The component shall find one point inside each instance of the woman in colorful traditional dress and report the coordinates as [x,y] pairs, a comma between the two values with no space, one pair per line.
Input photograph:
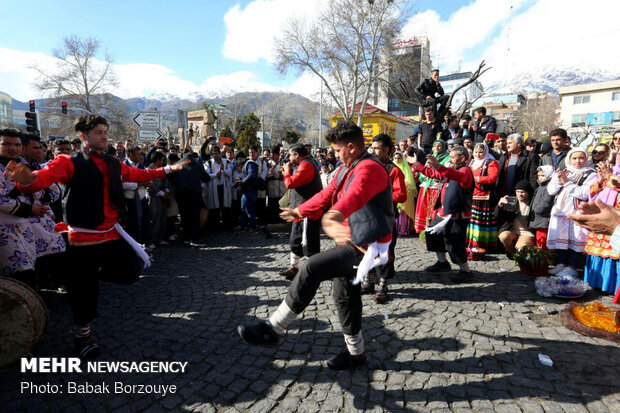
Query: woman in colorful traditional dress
[570,186]
[602,264]
[406,210]
[431,189]
[482,228]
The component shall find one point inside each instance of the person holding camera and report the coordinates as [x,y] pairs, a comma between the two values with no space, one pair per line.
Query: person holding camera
[513,213]
[160,145]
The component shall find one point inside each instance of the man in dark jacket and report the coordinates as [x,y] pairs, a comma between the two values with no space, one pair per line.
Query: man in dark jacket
[188,194]
[484,124]
[557,156]
[431,93]
[516,164]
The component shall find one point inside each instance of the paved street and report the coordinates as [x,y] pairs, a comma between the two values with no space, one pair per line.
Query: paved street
[434,346]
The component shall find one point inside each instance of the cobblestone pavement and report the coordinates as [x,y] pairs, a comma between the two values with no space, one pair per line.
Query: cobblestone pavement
[434,346]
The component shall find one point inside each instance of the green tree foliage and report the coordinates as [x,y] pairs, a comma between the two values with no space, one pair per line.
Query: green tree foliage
[291,136]
[249,125]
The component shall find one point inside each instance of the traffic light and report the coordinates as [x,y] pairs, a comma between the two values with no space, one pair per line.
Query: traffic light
[63,105]
[31,106]
[31,122]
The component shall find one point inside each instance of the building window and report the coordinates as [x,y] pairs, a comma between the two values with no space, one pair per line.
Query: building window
[615,117]
[581,99]
[579,120]
[615,95]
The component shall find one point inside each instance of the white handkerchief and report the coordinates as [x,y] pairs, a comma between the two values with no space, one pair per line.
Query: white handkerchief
[439,227]
[376,254]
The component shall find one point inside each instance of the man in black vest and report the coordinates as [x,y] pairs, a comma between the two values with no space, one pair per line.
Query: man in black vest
[99,249]
[382,147]
[452,217]
[304,184]
[360,217]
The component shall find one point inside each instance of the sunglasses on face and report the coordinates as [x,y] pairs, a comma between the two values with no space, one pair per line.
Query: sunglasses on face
[597,152]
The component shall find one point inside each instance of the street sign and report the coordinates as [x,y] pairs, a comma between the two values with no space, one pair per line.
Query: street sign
[147,120]
[149,135]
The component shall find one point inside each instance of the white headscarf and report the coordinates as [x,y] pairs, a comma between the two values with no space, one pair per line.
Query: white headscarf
[574,171]
[547,170]
[487,156]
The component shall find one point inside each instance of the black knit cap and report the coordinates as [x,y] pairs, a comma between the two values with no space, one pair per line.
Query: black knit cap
[523,185]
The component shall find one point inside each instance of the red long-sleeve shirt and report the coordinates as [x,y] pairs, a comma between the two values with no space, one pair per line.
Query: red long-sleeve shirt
[463,176]
[489,178]
[302,176]
[399,187]
[61,170]
[369,180]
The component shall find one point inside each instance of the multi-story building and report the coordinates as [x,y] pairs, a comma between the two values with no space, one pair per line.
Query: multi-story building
[471,92]
[6,108]
[414,54]
[503,108]
[592,107]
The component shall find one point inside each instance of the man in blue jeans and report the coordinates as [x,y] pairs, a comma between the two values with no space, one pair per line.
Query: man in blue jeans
[250,190]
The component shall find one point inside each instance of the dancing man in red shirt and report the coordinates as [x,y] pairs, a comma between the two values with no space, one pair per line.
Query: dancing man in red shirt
[98,248]
[382,147]
[360,216]
[303,184]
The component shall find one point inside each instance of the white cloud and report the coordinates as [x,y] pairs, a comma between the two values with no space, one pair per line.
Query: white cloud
[136,79]
[533,35]
[560,34]
[250,32]
[466,28]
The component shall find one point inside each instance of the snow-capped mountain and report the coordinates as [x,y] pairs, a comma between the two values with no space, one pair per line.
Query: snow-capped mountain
[547,79]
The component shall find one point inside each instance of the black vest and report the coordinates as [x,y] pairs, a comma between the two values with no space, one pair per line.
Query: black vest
[305,192]
[375,220]
[457,199]
[84,200]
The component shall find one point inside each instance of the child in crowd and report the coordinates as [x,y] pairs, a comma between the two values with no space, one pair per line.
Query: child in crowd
[540,208]
[570,186]
[237,176]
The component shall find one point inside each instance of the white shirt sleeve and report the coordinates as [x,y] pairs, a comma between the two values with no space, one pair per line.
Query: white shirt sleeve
[615,240]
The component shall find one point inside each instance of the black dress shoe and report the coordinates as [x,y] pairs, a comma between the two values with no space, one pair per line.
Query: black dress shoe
[439,267]
[345,360]
[461,277]
[259,334]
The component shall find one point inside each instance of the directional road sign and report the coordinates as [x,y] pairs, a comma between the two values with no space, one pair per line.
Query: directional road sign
[149,135]
[147,120]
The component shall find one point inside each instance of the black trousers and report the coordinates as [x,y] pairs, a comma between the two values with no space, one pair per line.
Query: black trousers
[387,271]
[132,222]
[145,223]
[334,264]
[452,240]
[85,266]
[190,204]
[273,210]
[261,211]
[314,238]
[219,218]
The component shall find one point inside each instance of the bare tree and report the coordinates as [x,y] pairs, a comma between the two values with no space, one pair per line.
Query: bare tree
[537,116]
[405,80]
[344,47]
[83,81]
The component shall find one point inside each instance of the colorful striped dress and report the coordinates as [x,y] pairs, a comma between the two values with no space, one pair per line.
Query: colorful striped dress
[482,228]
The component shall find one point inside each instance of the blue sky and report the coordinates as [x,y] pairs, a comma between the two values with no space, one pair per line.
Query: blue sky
[189,42]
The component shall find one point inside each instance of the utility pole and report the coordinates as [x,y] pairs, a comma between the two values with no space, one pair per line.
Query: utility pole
[321,115]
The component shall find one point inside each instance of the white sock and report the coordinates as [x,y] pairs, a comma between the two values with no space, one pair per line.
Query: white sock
[295,260]
[282,318]
[441,257]
[355,344]
[464,267]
